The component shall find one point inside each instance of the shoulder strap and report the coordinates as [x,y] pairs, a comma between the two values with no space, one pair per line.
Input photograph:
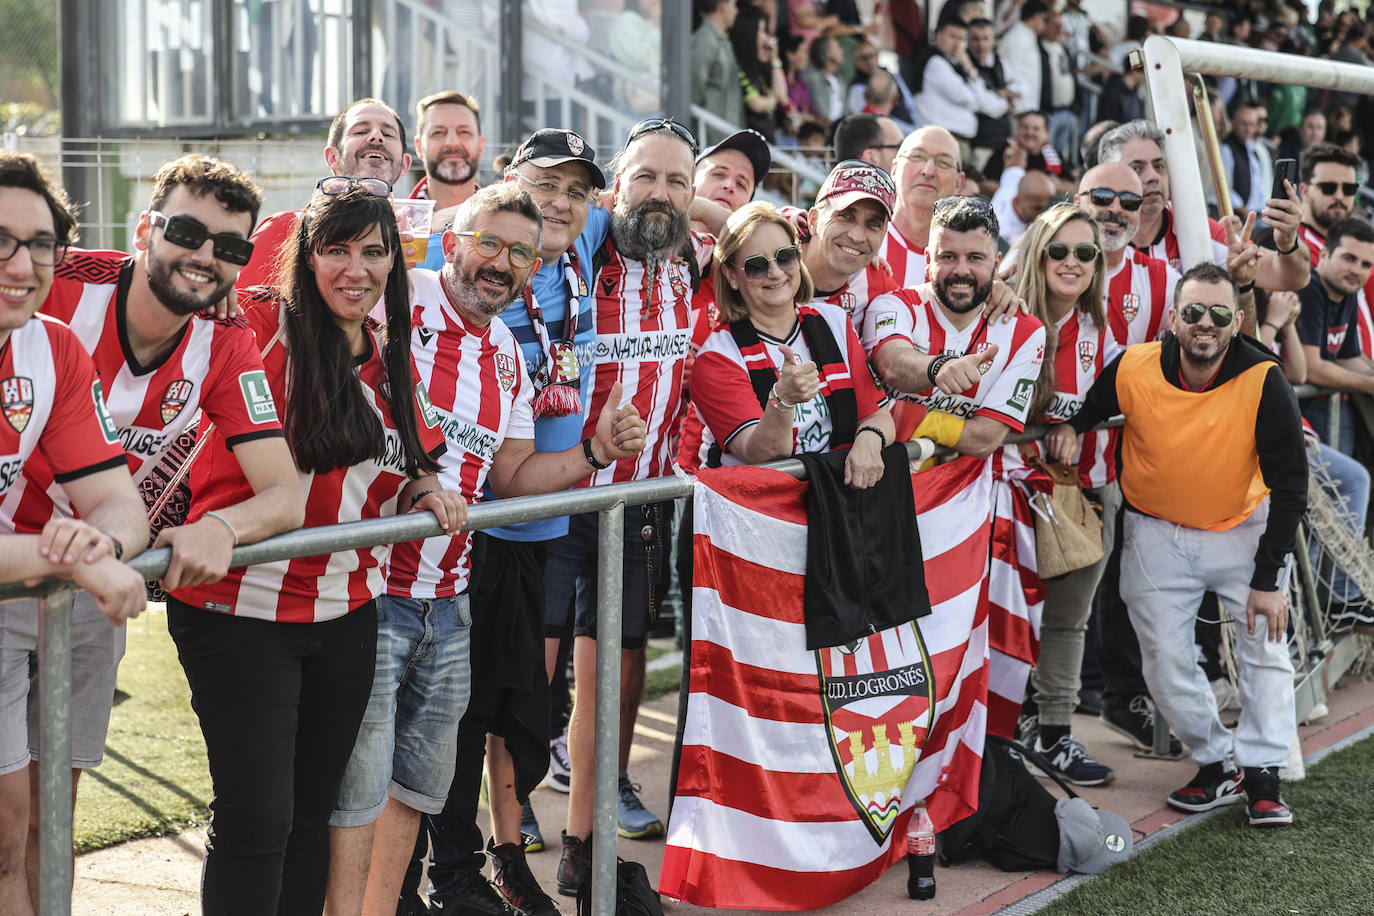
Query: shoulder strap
[1034,757]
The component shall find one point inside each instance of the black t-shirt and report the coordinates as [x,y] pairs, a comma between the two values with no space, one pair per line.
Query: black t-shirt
[1329,326]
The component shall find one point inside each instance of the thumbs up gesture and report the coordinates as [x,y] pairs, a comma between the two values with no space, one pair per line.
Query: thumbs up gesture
[798,382]
[959,375]
[620,430]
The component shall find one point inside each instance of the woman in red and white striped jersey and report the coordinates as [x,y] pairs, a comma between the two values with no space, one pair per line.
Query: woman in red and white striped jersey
[280,655]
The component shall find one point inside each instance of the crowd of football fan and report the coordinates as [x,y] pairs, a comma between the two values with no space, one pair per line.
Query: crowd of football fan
[968,267]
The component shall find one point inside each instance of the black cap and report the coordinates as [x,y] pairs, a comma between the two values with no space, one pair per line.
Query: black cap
[552,146]
[754,148]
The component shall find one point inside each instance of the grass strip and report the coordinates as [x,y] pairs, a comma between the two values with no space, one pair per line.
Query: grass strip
[1320,865]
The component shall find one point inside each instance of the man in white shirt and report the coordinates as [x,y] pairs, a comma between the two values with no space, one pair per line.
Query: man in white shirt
[1020,50]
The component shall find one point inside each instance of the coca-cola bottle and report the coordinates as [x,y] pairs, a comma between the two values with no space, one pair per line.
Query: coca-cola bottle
[920,854]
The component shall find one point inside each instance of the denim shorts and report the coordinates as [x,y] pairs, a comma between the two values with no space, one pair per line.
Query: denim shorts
[570,574]
[407,743]
[97,648]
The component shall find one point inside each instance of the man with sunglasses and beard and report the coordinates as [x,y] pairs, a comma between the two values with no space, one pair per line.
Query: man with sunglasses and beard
[1221,518]
[160,367]
[644,279]
[367,141]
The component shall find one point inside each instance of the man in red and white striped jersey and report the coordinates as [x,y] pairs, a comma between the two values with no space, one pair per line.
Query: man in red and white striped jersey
[1140,289]
[366,140]
[1140,144]
[847,227]
[927,169]
[471,365]
[53,411]
[643,288]
[449,142]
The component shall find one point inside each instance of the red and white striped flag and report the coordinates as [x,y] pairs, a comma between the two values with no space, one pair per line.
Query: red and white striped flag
[799,767]
[1016,597]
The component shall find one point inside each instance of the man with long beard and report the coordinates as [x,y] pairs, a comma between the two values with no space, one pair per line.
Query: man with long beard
[449,142]
[643,283]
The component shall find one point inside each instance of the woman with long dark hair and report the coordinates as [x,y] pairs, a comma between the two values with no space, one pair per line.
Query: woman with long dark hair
[761,78]
[280,655]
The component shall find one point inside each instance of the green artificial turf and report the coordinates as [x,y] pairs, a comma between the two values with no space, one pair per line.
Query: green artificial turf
[1323,864]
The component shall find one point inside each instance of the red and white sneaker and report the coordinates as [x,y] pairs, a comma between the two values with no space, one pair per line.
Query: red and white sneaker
[1263,801]
[1213,786]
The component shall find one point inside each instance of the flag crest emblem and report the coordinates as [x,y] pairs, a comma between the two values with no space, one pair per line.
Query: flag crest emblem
[175,398]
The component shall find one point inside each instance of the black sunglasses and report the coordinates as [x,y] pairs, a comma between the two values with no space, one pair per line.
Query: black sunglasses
[1085,252]
[1348,188]
[658,125]
[1221,315]
[338,184]
[1102,197]
[189,233]
[756,267]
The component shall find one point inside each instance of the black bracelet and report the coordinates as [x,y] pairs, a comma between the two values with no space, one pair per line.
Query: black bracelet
[1295,245]
[1245,288]
[419,496]
[875,431]
[935,365]
[591,458]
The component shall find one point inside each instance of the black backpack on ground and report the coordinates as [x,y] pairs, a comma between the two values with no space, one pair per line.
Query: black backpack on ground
[634,895]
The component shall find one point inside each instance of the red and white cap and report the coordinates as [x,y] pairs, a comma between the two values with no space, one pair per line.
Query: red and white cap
[854,180]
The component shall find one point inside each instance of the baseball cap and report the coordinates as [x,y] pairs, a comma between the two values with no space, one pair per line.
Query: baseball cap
[552,146]
[754,148]
[854,180]
[1090,839]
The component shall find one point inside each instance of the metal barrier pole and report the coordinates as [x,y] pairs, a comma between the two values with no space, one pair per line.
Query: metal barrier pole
[1333,420]
[610,588]
[55,753]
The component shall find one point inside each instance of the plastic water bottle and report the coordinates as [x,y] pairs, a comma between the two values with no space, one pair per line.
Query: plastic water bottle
[920,854]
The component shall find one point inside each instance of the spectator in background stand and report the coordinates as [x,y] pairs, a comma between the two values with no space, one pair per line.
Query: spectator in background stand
[1354,49]
[1311,131]
[1211,28]
[1091,138]
[1245,157]
[1137,30]
[634,42]
[1120,100]
[1020,50]
[715,70]
[1020,198]
[761,82]
[1060,90]
[993,132]
[794,61]
[1032,142]
[449,142]
[827,93]
[952,94]
[1078,29]
[865,68]
[870,138]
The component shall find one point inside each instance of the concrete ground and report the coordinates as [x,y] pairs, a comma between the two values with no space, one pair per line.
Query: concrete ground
[162,875]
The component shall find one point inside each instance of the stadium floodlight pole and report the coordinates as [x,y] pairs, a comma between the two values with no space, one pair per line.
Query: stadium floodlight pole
[1166,59]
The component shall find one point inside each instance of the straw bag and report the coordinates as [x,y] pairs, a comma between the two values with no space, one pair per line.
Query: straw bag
[1068,530]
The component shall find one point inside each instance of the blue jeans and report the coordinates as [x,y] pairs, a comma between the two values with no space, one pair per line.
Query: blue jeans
[409,733]
[1317,411]
[1351,497]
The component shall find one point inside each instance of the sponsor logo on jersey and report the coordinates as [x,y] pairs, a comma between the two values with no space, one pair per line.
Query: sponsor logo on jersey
[647,346]
[426,335]
[257,397]
[1130,306]
[16,398]
[608,285]
[1335,336]
[1021,394]
[175,398]
[102,413]
[427,411]
[1087,349]
[505,370]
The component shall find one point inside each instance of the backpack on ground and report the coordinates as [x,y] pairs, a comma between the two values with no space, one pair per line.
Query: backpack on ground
[634,895]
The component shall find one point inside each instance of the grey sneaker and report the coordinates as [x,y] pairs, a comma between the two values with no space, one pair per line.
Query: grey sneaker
[636,821]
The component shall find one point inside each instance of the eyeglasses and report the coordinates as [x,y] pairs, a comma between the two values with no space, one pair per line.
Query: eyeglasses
[186,232]
[757,266]
[488,245]
[1103,197]
[338,184]
[1084,252]
[1221,315]
[942,163]
[44,252]
[1347,188]
[576,196]
[657,125]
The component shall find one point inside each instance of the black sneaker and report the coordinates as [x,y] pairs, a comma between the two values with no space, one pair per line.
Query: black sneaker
[1089,702]
[410,904]
[1215,785]
[512,878]
[474,897]
[1263,802]
[575,865]
[1136,723]
[1071,762]
[1345,614]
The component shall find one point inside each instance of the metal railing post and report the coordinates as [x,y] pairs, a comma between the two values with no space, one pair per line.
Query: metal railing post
[610,589]
[55,753]
[1333,420]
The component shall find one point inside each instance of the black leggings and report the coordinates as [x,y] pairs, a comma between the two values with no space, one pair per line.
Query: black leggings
[279,706]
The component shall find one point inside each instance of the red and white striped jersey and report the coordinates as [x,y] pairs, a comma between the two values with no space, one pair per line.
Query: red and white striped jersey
[862,288]
[53,409]
[908,262]
[1084,350]
[1003,393]
[214,366]
[643,336]
[1364,317]
[319,588]
[1166,246]
[269,244]
[477,383]
[1137,297]
[724,402]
